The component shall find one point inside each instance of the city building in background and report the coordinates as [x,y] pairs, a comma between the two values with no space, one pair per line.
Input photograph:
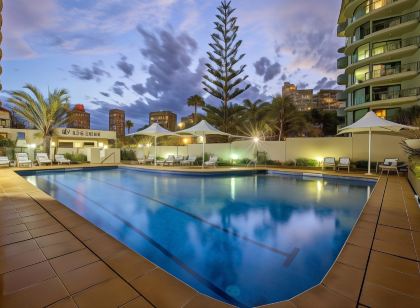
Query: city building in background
[166,119]
[79,118]
[117,122]
[301,98]
[5,118]
[186,121]
[381,60]
[329,99]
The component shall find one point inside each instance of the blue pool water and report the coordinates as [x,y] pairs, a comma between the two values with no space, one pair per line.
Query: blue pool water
[248,239]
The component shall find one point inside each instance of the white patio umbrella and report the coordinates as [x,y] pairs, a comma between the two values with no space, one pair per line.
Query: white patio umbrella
[154,130]
[372,123]
[202,129]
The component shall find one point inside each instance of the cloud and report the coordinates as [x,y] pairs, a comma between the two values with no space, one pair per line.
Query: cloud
[172,77]
[21,22]
[324,83]
[105,94]
[263,67]
[139,88]
[85,73]
[125,67]
[302,85]
[119,87]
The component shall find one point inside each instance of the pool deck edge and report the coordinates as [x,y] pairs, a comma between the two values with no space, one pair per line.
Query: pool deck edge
[385,239]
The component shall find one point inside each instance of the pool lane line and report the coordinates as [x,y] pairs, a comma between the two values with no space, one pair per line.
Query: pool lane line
[289,256]
[163,250]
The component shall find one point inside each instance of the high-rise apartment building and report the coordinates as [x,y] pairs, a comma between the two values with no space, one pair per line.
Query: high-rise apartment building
[301,98]
[79,118]
[166,119]
[381,60]
[328,99]
[117,122]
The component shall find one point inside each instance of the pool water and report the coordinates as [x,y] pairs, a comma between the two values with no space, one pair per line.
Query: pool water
[248,239]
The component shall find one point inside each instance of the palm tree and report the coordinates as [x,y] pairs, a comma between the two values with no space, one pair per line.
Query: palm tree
[227,119]
[284,117]
[255,112]
[196,101]
[129,124]
[44,113]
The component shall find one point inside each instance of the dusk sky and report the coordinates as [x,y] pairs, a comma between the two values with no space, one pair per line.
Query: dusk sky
[142,55]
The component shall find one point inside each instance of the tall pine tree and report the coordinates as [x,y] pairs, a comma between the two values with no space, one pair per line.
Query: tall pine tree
[223,80]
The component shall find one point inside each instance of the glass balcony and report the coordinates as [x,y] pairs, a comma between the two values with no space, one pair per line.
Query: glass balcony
[370,6]
[342,79]
[385,47]
[386,70]
[395,94]
[342,62]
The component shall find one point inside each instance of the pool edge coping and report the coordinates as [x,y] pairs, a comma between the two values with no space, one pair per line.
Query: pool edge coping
[345,299]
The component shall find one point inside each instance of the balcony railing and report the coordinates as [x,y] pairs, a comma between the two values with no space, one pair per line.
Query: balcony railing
[342,62]
[378,73]
[342,79]
[386,24]
[387,47]
[370,6]
[380,96]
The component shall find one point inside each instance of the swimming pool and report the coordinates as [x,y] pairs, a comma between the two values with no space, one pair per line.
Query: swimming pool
[248,239]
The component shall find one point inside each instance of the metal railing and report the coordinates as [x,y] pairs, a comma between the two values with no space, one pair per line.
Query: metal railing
[393,94]
[106,158]
[387,47]
[382,72]
[370,6]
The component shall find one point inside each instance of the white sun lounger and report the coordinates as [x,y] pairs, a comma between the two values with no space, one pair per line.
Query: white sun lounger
[4,161]
[22,159]
[329,162]
[389,164]
[212,161]
[189,161]
[42,158]
[344,162]
[60,159]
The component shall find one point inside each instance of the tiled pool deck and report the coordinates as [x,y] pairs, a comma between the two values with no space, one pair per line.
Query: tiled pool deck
[50,256]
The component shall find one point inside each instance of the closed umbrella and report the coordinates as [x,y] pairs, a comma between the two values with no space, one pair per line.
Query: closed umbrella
[372,123]
[156,131]
[203,129]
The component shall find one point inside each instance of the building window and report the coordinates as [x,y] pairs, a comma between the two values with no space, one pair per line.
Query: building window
[361,53]
[361,75]
[361,32]
[382,47]
[66,145]
[358,114]
[381,113]
[361,96]
[387,92]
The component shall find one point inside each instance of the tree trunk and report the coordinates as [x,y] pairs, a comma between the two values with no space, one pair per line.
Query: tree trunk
[46,144]
[195,113]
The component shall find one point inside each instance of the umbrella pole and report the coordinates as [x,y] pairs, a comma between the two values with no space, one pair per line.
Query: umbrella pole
[370,147]
[202,165]
[155,149]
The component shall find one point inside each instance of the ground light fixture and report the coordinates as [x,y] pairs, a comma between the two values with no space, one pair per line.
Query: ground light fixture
[256,139]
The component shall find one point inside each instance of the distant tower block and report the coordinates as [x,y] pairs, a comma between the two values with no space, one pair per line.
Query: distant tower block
[117,122]
[79,118]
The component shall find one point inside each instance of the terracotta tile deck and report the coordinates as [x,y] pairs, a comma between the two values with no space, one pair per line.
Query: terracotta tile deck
[50,256]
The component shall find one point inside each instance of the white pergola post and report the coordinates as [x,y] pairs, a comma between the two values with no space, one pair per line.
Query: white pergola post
[370,148]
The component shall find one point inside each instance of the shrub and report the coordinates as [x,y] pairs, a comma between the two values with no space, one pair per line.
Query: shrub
[363,164]
[306,162]
[6,143]
[289,163]
[128,154]
[78,158]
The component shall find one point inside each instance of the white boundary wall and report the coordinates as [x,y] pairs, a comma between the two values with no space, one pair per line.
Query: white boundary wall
[356,147]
